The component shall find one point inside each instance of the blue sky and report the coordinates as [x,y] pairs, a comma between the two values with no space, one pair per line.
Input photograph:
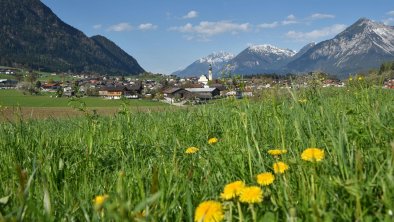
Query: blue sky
[166,35]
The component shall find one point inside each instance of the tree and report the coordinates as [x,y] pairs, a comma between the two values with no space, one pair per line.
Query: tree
[38,84]
[19,76]
[59,92]
[26,87]
[32,77]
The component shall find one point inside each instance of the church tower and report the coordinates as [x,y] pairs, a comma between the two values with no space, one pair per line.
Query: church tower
[210,72]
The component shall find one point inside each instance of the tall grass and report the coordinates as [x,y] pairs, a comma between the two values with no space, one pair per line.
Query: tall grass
[52,170]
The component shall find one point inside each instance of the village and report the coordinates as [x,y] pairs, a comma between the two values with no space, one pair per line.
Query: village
[167,88]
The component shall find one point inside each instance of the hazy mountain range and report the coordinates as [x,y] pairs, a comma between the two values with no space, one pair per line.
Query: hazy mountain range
[31,35]
[364,45]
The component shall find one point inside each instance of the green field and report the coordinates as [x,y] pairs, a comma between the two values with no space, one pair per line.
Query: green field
[11,98]
[5,76]
[135,167]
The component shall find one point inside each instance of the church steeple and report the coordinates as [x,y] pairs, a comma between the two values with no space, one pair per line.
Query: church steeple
[210,72]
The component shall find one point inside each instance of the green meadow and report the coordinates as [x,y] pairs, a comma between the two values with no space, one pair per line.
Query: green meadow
[10,98]
[133,166]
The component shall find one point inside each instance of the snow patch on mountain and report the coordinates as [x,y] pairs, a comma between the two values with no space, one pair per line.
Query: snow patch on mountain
[267,49]
[217,57]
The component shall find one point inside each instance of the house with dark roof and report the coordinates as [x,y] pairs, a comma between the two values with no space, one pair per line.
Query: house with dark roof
[176,93]
[191,93]
[7,83]
[50,87]
[203,93]
[222,88]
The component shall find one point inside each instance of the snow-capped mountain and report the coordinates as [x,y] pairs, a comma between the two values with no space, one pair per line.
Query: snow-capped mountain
[217,59]
[364,45]
[269,50]
[259,59]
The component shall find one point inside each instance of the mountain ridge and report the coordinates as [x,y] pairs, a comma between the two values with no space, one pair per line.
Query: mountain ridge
[35,37]
[218,60]
[363,45]
[261,59]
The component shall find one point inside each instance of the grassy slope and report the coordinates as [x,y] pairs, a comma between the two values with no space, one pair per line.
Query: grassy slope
[69,162]
[16,98]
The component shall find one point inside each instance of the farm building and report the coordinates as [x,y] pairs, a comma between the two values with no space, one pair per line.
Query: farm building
[50,87]
[130,92]
[191,93]
[176,93]
[7,83]
[203,93]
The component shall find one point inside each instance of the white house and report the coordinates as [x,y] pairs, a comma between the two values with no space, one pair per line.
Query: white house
[203,79]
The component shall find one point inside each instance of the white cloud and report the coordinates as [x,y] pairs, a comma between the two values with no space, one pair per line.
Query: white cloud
[191,14]
[289,22]
[290,19]
[268,25]
[317,16]
[390,13]
[98,26]
[147,26]
[388,21]
[206,29]
[121,27]
[316,34]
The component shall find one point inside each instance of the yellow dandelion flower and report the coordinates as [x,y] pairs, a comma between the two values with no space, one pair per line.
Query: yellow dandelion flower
[360,78]
[141,214]
[213,140]
[209,211]
[265,179]
[302,100]
[280,167]
[313,154]
[99,200]
[232,190]
[350,79]
[191,150]
[252,194]
[277,152]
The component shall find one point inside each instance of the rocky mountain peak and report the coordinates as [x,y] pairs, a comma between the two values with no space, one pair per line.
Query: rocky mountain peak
[217,57]
[270,49]
[362,46]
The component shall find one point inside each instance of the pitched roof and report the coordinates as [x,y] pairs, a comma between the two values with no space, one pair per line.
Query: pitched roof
[200,90]
[111,88]
[220,87]
[171,90]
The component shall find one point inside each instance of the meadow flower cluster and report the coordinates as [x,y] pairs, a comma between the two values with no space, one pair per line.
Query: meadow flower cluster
[238,192]
[192,149]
